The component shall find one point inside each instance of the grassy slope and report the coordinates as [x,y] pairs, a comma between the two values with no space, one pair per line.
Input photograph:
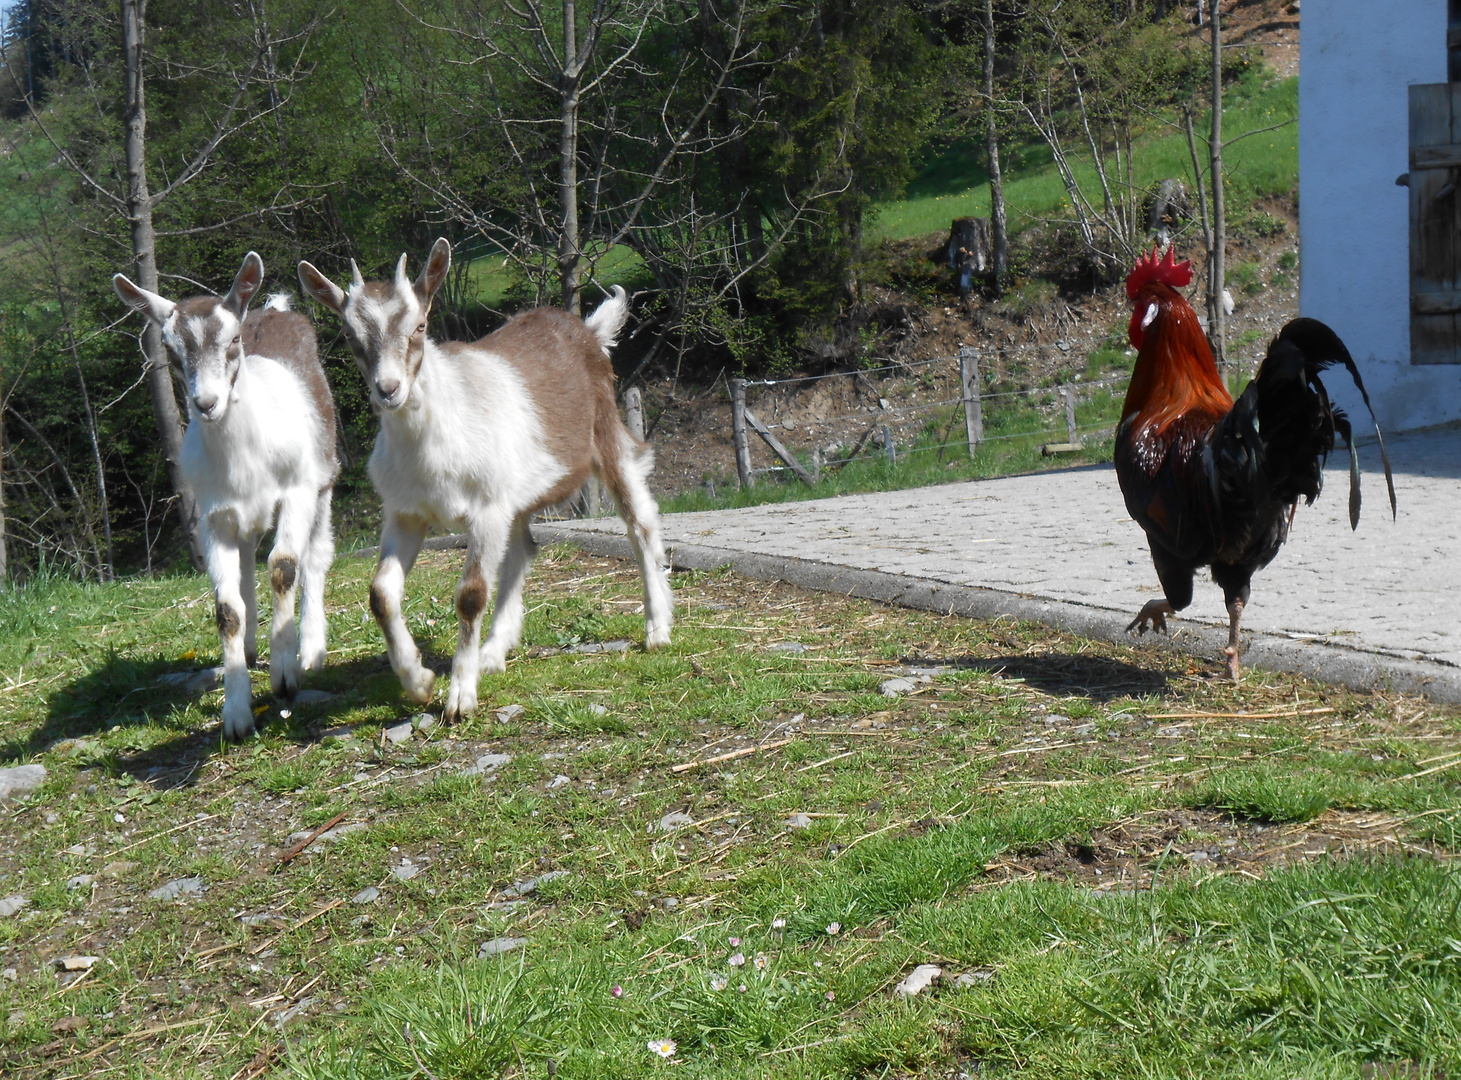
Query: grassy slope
[954,183]
[944,826]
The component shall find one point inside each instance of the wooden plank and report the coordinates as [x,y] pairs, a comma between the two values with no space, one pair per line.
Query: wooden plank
[779,450]
[1435,157]
[1433,222]
[1435,303]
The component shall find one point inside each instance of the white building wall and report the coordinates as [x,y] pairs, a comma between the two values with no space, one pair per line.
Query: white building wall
[1356,59]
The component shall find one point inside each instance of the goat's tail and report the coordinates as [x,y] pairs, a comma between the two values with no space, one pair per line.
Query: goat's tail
[279,301]
[609,319]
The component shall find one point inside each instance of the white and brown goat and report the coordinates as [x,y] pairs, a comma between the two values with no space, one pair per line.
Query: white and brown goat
[259,452]
[476,437]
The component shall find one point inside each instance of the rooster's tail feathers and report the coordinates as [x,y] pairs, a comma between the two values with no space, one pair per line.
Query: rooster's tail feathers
[1322,349]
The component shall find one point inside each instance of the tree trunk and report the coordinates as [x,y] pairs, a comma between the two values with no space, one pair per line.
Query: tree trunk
[4,555]
[139,218]
[568,251]
[998,224]
[1215,270]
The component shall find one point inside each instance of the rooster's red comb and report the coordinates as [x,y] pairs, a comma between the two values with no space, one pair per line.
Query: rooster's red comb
[1149,268]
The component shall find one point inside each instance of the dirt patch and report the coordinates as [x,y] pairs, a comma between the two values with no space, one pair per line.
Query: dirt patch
[1131,854]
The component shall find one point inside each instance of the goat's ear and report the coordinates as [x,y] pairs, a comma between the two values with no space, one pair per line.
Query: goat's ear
[434,272]
[245,284]
[324,290]
[156,308]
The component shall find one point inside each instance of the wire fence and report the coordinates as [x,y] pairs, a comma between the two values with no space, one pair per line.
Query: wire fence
[972,400]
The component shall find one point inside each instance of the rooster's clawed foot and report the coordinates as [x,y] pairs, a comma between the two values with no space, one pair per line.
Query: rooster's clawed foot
[1154,612]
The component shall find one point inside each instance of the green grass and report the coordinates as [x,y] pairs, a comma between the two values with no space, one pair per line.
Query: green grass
[954,183]
[1146,870]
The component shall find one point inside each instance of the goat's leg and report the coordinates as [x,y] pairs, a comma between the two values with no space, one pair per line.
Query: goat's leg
[400,541]
[225,569]
[487,537]
[628,480]
[291,542]
[248,554]
[507,613]
[314,569]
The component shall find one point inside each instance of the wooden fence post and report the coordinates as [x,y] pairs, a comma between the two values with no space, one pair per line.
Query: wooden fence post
[973,407]
[634,412]
[738,433]
[1068,393]
[888,447]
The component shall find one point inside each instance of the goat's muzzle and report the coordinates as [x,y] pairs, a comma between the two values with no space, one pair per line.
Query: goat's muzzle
[207,406]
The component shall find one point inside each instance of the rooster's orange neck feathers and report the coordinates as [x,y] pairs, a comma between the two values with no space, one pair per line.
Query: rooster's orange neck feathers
[1175,374]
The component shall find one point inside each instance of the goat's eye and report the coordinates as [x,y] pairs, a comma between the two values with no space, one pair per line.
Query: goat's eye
[421,328]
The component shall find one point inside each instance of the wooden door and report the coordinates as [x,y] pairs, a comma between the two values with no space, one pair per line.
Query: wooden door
[1435,218]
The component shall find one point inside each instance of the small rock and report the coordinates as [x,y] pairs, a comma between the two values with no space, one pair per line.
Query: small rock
[597,709]
[499,946]
[69,1025]
[590,647]
[894,687]
[787,647]
[263,920]
[343,732]
[558,781]
[178,887]
[423,722]
[406,871]
[120,868]
[669,903]
[1057,718]
[798,821]
[486,763]
[677,819]
[294,1012]
[11,904]
[1175,731]
[508,713]
[313,697]
[530,886]
[21,780]
[367,895]
[399,733]
[80,881]
[75,963]
[1082,729]
[977,977]
[918,980]
[9,974]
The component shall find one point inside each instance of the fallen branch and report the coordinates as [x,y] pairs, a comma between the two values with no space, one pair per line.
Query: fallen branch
[743,752]
[298,849]
[1235,716]
[331,906]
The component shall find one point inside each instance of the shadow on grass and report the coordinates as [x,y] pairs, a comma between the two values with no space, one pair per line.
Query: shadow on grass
[1097,677]
[125,693]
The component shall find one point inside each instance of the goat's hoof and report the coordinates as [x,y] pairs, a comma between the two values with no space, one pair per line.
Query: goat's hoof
[418,685]
[461,700]
[657,637]
[491,661]
[312,657]
[285,681]
[238,722]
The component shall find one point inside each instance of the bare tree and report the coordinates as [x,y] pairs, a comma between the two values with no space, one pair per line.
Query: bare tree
[998,222]
[136,202]
[608,146]
[1216,313]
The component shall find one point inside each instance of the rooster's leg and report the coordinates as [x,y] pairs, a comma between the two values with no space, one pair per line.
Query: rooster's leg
[1153,611]
[1235,615]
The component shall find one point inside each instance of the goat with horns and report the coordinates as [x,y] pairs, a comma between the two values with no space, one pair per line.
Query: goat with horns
[476,437]
[259,452]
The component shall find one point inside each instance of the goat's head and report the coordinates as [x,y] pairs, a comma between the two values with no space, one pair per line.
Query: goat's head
[385,324]
[202,334]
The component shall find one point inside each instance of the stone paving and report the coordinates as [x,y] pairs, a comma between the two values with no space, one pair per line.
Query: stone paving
[1388,589]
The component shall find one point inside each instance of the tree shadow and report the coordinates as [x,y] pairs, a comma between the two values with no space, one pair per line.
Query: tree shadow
[1097,677]
[128,693]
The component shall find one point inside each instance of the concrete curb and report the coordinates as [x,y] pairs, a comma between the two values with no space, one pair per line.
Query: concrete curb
[1360,670]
